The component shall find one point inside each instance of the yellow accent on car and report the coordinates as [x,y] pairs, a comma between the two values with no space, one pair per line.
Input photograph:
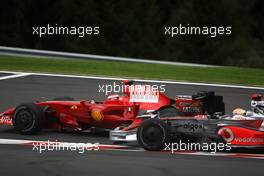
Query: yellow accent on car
[97,115]
[74,107]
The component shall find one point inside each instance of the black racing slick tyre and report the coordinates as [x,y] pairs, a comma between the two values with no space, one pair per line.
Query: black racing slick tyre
[28,118]
[63,98]
[152,134]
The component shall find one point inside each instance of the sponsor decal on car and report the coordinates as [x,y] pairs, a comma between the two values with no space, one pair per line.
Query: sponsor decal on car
[250,139]
[144,94]
[193,126]
[226,134]
[191,109]
[191,104]
[5,120]
[97,115]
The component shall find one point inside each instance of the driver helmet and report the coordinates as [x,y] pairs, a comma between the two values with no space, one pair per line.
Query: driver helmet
[239,111]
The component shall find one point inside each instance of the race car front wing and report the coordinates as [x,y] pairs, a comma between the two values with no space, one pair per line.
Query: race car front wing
[123,136]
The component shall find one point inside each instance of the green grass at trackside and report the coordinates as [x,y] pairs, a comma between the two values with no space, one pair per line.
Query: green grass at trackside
[234,75]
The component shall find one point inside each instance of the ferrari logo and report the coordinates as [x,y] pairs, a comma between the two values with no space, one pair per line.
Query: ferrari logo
[97,115]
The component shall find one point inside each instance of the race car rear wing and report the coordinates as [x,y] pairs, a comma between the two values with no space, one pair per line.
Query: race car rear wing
[257,103]
[203,102]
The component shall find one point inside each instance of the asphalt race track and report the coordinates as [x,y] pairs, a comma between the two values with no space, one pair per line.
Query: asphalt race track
[22,160]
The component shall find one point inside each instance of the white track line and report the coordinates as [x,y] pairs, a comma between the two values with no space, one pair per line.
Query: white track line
[67,144]
[62,55]
[30,142]
[138,80]
[17,75]
[237,155]
[124,148]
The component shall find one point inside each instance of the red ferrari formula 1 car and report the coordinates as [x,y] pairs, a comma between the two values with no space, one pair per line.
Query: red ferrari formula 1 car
[30,118]
[115,112]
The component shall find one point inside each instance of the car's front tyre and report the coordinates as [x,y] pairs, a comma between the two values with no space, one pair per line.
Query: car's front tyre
[152,134]
[28,118]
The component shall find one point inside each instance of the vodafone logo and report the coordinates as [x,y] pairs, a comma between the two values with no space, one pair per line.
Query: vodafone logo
[226,134]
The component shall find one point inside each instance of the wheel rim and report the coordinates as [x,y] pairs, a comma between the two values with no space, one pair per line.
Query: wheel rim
[24,119]
[152,135]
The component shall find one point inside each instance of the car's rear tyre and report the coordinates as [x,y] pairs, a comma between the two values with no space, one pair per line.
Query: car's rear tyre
[63,98]
[28,118]
[152,134]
